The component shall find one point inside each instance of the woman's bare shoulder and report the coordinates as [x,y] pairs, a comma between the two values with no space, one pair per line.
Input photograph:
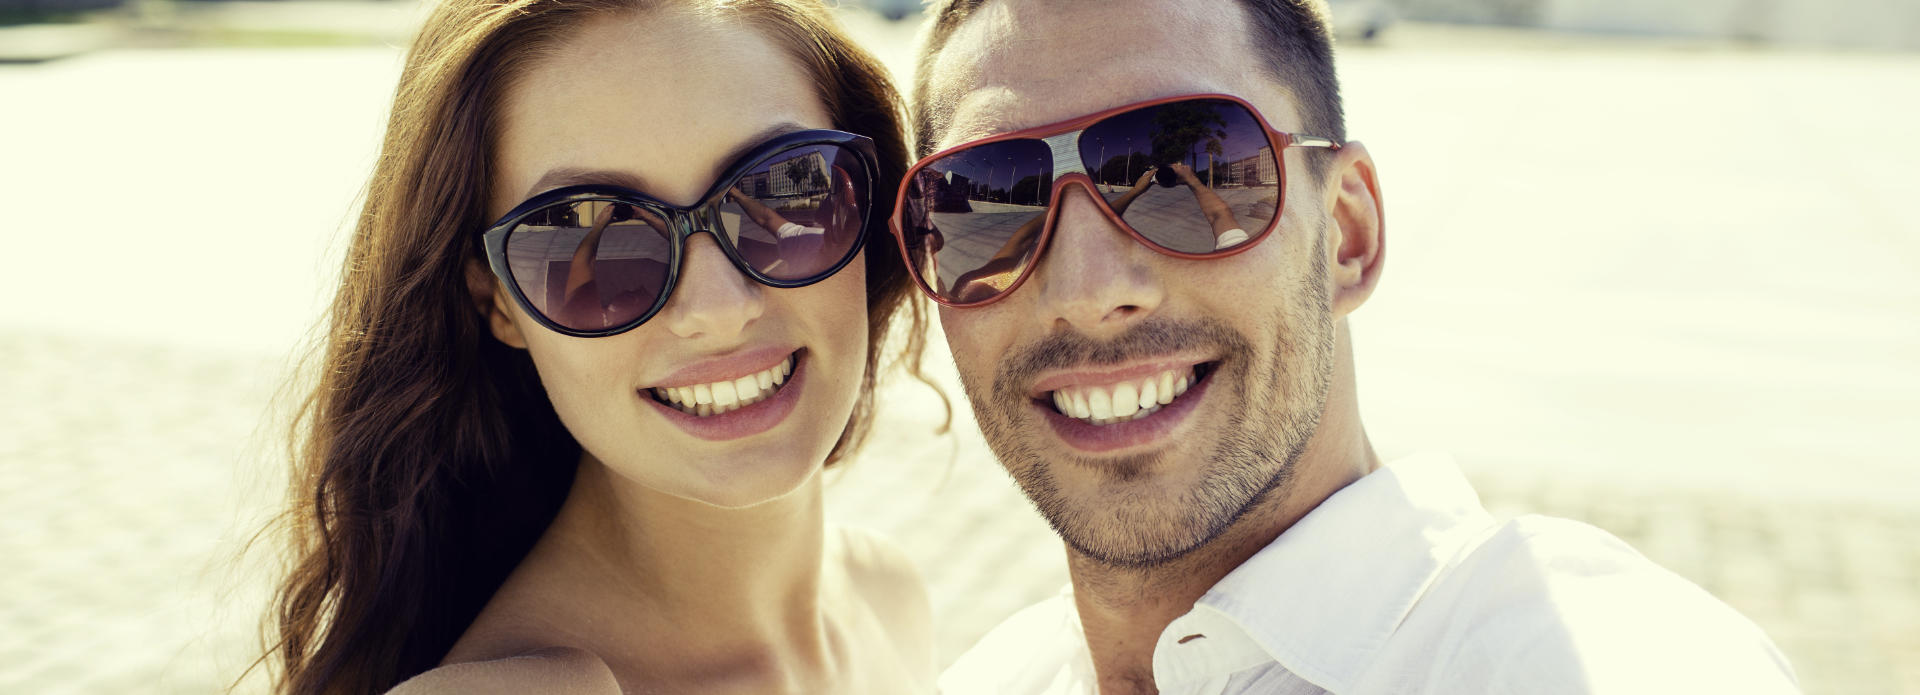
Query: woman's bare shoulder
[885,578]
[875,563]
[555,670]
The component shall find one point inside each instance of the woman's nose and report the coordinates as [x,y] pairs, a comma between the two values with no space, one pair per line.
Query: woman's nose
[713,299]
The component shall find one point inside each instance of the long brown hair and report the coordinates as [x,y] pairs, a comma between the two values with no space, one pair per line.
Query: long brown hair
[428,460]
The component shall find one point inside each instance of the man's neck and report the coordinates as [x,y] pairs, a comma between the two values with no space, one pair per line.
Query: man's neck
[1123,610]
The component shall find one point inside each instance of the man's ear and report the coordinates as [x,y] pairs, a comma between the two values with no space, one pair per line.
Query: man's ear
[491,302]
[1358,247]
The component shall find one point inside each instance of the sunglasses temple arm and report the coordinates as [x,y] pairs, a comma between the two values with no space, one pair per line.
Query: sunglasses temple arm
[1298,140]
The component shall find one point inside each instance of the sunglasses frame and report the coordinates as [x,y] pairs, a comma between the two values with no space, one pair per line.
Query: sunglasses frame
[685,221]
[1075,175]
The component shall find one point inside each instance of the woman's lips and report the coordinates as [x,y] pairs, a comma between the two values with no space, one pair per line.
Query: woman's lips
[742,421]
[727,394]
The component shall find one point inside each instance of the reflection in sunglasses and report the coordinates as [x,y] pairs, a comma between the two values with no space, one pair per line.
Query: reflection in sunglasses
[974,215]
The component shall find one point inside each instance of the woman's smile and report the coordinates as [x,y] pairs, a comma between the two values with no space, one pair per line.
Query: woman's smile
[732,408]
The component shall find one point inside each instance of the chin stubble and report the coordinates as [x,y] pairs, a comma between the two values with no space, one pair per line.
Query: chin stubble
[1252,455]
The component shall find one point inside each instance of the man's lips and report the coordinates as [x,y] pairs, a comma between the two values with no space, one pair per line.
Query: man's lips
[1106,376]
[1094,427]
[1106,396]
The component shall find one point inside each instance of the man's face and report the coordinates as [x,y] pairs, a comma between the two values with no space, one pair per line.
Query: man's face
[1101,316]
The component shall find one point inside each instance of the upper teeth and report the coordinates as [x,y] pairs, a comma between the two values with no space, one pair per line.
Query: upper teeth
[1127,400]
[723,396]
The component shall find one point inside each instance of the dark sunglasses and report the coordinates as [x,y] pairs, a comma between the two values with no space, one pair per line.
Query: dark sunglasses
[972,220]
[598,260]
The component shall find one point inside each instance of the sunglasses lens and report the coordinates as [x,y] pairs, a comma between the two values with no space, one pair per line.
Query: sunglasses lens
[1218,183]
[592,265]
[800,213]
[973,217]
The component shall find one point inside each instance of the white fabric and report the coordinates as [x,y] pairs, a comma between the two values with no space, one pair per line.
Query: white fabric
[1403,583]
[1229,238]
[791,230]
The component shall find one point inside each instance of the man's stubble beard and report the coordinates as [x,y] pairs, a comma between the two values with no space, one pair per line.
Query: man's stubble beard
[1252,454]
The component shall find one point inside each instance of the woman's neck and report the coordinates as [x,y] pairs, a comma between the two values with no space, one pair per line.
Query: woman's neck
[659,578]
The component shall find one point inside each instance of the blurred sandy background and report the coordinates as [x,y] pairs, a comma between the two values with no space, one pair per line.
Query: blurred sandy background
[1658,277]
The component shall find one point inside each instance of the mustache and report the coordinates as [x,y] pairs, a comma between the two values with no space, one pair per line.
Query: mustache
[1150,338]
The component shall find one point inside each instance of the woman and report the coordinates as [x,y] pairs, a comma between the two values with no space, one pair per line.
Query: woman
[616,297]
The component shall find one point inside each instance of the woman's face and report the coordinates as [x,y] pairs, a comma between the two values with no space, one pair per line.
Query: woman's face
[661,101]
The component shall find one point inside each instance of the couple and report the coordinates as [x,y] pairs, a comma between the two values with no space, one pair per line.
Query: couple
[621,287]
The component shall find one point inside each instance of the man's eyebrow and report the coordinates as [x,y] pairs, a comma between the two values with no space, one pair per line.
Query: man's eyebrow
[560,177]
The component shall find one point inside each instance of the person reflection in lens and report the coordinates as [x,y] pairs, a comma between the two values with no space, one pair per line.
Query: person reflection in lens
[1000,270]
[584,304]
[1227,231]
[800,250]
[1003,267]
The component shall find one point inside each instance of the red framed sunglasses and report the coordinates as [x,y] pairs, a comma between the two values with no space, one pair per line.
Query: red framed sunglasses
[1194,177]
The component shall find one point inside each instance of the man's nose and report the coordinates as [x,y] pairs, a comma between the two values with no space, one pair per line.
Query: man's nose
[1095,278]
[713,299]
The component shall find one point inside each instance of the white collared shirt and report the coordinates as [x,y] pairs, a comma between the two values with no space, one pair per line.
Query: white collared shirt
[1403,583]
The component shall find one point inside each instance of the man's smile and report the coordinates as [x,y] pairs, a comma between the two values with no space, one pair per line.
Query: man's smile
[1109,398]
[1104,410]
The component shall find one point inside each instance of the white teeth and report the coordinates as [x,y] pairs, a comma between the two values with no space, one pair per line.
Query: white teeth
[724,395]
[1103,405]
[1100,403]
[727,396]
[1126,400]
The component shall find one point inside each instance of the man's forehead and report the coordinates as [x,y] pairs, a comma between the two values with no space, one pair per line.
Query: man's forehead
[1021,63]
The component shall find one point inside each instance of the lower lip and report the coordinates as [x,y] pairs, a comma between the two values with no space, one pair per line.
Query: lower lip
[1098,439]
[743,422]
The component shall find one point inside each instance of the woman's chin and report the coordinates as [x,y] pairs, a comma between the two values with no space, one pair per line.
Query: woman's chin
[740,482]
[763,490]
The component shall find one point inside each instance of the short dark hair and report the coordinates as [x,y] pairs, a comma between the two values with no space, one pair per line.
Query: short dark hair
[1293,37]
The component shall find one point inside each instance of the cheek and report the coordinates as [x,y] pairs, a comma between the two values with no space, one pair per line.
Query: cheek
[841,306]
[833,314]
[581,376]
[972,340]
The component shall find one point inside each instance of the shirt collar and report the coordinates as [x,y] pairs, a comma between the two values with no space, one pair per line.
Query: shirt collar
[1322,598]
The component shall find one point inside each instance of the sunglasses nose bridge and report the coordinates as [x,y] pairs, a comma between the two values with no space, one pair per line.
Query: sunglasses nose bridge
[1094,202]
[1065,149]
[705,218]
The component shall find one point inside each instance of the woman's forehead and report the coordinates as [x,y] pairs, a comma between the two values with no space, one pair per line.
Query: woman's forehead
[664,97]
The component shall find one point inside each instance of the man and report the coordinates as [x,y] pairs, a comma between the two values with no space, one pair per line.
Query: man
[1172,383]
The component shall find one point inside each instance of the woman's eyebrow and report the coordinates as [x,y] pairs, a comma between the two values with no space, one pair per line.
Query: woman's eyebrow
[559,177]
[754,141]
